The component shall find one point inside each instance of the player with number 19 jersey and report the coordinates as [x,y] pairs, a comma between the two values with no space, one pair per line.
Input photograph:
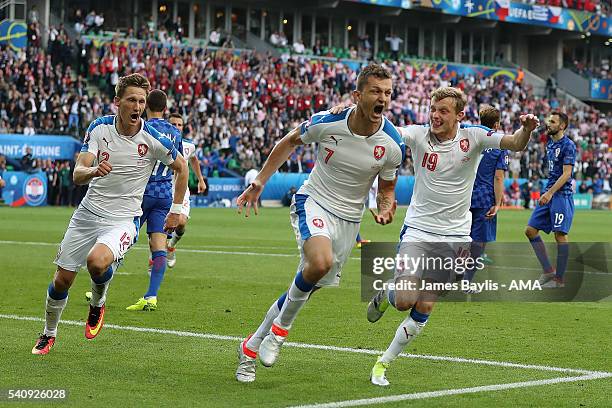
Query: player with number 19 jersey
[557,215]
[444,177]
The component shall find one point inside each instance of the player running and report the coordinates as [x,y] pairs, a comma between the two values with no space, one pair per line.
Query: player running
[188,151]
[438,219]
[157,201]
[117,157]
[354,147]
[555,210]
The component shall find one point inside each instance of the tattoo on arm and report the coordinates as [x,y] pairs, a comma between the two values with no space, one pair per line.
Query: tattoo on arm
[383,201]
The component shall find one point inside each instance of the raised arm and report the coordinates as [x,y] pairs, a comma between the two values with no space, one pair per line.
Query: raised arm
[277,157]
[518,141]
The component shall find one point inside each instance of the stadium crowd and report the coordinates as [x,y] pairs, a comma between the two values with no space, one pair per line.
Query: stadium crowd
[238,106]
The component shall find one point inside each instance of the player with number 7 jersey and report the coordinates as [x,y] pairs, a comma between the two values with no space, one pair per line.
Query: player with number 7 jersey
[355,146]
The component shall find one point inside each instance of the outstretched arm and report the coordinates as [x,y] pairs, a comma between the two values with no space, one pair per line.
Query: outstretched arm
[518,141]
[277,157]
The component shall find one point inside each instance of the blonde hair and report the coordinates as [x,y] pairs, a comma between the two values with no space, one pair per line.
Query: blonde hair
[135,80]
[450,92]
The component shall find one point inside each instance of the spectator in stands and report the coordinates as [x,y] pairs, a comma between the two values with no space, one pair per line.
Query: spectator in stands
[90,21]
[316,48]
[28,164]
[585,186]
[598,185]
[394,43]
[282,39]
[298,47]
[29,130]
[215,37]
[365,47]
[275,39]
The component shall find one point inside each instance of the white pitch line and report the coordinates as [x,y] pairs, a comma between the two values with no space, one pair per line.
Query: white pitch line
[457,391]
[322,347]
[197,251]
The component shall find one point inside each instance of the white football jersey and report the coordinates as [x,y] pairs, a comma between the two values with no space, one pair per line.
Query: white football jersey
[347,164]
[444,176]
[119,193]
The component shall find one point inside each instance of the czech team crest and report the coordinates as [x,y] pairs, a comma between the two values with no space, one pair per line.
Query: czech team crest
[379,152]
[317,222]
[464,144]
[142,149]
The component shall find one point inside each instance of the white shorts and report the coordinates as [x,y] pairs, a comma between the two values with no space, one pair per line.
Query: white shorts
[87,229]
[309,219]
[186,204]
[432,248]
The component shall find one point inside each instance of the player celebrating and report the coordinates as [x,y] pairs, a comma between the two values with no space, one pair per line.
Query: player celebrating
[189,154]
[555,210]
[488,192]
[445,157]
[116,159]
[354,147]
[157,201]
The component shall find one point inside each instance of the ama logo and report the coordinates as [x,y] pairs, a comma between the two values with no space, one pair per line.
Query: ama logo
[34,191]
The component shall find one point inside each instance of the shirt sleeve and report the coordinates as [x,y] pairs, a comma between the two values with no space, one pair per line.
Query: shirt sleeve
[91,140]
[486,139]
[311,130]
[569,156]
[409,134]
[394,160]
[163,149]
[502,161]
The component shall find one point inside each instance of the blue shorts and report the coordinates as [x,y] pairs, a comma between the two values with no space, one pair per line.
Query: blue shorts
[483,230]
[555,216]
[154,212]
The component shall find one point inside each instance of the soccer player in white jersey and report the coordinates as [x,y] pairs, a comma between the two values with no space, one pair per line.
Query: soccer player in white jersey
[446,158]
[189,154]
[117,157]
[354,147]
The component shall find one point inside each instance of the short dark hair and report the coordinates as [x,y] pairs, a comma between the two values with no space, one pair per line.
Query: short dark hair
[176,115]
[489,116]
[157,100]
[562,116]
[135,80]
[374,70]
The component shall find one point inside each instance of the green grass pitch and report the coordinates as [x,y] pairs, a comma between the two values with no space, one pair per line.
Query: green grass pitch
[229,270]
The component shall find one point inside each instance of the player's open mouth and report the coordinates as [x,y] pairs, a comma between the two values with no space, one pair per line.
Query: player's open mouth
[436,124]
[134,116]
[378,109]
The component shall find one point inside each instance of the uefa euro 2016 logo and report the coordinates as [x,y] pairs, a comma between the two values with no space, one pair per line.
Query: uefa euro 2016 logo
[13,33]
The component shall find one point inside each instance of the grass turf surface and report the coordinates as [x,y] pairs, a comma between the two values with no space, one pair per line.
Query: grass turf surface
[212,291]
